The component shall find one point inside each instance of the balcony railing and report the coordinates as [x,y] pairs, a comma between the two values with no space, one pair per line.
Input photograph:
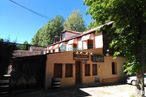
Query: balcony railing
[72,49]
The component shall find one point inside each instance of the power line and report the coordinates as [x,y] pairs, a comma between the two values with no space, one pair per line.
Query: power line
[30,10]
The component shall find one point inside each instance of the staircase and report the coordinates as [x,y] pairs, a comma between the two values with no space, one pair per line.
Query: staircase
[4,85]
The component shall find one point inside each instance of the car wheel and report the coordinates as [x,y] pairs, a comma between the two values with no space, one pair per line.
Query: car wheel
[133,82]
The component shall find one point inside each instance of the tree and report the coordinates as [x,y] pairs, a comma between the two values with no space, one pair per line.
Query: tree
[6,50]
[129,32]
[1,40]
[75,22]
[37,37]
[46,34]
[24,46]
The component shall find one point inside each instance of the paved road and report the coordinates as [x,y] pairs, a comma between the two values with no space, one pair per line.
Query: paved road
[111,91]
[85,91]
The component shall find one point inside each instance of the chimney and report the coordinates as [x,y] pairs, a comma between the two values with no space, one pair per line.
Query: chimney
[56,39]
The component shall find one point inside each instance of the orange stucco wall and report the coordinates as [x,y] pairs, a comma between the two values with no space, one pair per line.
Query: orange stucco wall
[103,68]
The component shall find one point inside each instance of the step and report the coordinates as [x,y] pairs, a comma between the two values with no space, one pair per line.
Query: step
[7,75]
[4,81]
[4,86]
[4,92]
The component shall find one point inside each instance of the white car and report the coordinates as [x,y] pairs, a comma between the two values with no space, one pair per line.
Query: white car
[132,80]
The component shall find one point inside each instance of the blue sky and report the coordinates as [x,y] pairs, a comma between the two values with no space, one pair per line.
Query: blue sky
[18,24]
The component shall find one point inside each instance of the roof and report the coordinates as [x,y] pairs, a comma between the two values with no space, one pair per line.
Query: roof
[84,33]
[74,32]
[97,28]
[22,53]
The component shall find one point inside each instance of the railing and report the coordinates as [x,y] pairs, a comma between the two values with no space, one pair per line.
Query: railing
[70,49]
[73,49]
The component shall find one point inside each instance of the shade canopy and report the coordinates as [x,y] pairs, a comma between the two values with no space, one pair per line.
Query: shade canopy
[87,37]
[50,47]
[73,41]
[56,46]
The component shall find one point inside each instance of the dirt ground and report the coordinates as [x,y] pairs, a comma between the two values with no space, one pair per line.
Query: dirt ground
[80,91]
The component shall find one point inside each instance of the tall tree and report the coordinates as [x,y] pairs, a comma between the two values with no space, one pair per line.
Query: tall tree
[75,22]
[129,32]
[1,40]
[46,34]
[6,51]
[24,46]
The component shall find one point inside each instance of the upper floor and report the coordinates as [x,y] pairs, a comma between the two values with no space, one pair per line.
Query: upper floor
[73,41]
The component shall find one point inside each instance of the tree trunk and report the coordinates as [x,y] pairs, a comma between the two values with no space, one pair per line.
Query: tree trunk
[140,54]
[140,84]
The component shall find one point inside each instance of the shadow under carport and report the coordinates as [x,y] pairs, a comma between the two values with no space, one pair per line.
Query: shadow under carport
[59,92]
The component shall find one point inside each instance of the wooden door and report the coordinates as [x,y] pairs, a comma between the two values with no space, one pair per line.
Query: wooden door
[78,72]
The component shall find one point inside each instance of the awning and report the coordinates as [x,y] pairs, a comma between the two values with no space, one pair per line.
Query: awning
[62,44]
[88,37]
[73,41]
[47,48]
[56,46]
[50,48]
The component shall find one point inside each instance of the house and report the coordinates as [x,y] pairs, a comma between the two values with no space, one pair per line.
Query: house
[82,58]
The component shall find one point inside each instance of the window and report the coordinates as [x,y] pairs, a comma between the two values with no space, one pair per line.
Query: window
[58,70]
[114,68]
[94,69]
[90,44]
[87,69]
[68,70]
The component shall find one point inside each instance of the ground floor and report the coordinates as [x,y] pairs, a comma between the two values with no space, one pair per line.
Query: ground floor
[72,68]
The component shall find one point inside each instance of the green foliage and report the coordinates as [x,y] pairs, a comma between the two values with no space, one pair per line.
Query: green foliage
[46,34]
[6,50]
[129,28]
[24,46]
[75,22]
[132,66]
[1,40]
[91,25]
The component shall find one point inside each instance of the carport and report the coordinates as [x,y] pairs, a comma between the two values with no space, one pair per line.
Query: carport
[28,72]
